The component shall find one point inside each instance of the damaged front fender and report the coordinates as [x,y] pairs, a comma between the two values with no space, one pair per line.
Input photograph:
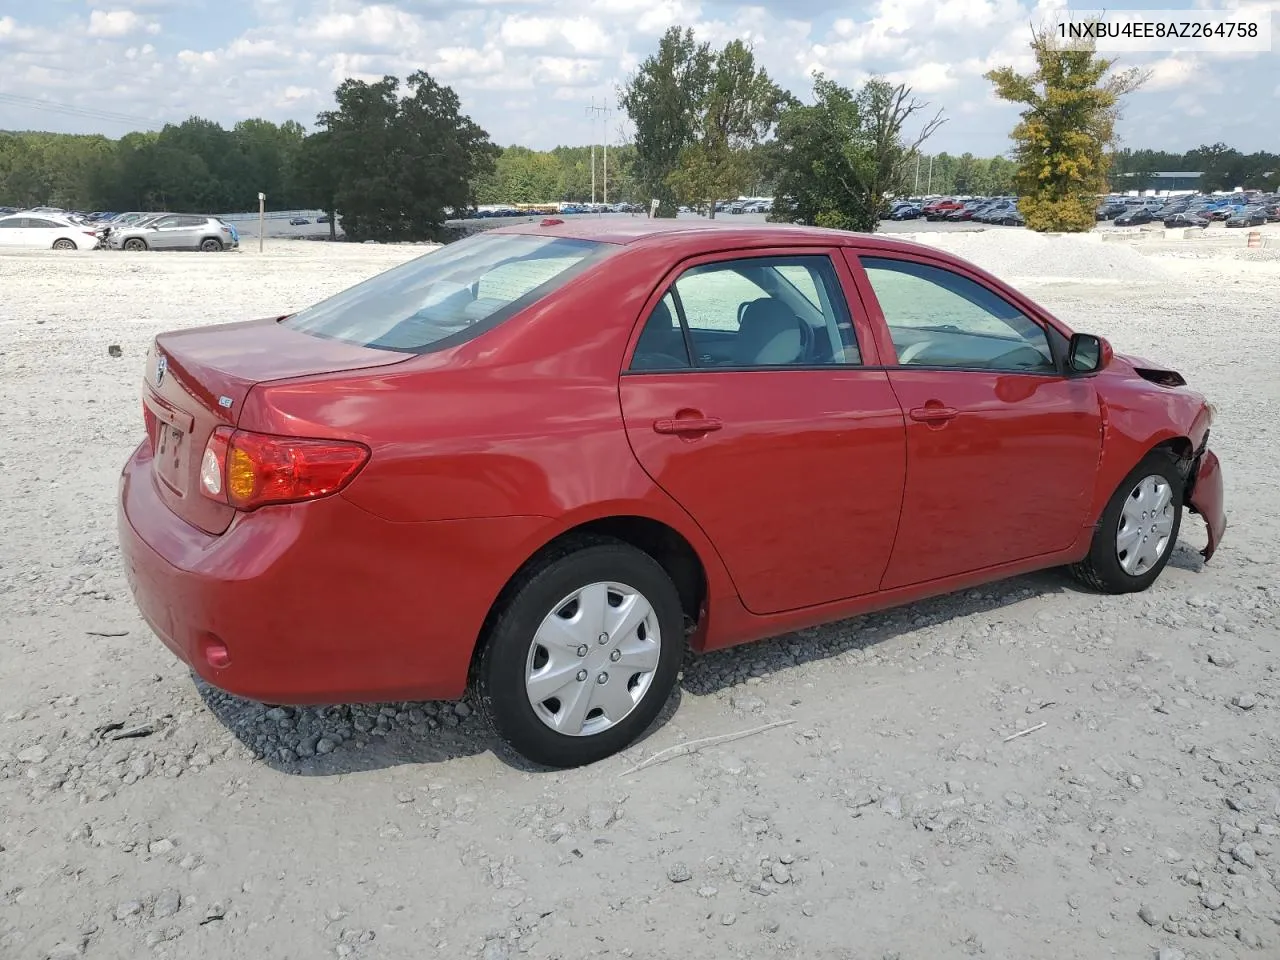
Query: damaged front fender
[1204,497]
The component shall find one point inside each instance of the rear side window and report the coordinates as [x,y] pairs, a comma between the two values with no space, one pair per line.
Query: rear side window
[451,294]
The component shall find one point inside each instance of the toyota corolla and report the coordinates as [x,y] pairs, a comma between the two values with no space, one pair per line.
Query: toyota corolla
[540,462]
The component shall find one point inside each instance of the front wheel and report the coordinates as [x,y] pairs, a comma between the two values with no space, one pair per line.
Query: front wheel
[135,245]
[582,653]
[1139,527]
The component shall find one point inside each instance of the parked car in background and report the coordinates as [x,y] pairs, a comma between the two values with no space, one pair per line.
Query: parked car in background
[299,222]
[939,209]
[905,211]
[1136,216]
[176,231]
[393,491]
[1248,217]
[46,231]
[1185,220]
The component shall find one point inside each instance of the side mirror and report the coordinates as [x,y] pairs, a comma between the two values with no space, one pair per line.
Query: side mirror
[1088,353]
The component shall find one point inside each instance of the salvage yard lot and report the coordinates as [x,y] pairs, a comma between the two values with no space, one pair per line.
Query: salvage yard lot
[890,816]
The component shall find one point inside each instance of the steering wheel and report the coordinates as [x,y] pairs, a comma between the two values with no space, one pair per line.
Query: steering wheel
[913,350]
[807,339]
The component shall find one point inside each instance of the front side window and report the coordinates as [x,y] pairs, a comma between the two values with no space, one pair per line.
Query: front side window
[445,296]
[938,318]
[751,312]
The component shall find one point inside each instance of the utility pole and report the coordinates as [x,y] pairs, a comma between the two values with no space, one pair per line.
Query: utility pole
[599,113]
[916,191]
[929,188]
[262,218]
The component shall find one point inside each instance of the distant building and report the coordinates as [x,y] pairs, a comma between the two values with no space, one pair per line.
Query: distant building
[1159,182]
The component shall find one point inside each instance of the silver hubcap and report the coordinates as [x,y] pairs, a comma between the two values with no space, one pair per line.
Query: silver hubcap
[593,659]
[1146,523]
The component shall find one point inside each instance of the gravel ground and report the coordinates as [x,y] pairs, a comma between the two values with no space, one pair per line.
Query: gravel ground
[890,816]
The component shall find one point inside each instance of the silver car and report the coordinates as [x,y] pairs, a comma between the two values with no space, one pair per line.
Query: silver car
[176,231]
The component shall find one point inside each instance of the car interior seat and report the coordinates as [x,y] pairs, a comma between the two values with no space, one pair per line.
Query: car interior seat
[769,334]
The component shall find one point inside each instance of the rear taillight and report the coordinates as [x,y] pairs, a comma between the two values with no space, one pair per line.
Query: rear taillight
[249,470]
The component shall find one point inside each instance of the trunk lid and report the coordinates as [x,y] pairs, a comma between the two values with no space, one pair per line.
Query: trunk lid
[197,380]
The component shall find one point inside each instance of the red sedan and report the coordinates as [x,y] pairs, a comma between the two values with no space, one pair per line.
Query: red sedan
[546,458]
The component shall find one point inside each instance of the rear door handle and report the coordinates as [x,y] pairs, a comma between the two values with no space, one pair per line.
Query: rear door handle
[687,425]
[934,414]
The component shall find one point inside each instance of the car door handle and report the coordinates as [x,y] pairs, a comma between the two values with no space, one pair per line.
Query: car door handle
[934,414]
[687,425]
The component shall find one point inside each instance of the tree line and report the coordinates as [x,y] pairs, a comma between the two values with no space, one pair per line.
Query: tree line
[710,125]
[1222,167]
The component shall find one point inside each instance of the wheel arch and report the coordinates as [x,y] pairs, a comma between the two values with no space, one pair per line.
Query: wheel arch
[660,540]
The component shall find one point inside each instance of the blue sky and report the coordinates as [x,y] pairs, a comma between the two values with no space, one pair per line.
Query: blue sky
[527,70]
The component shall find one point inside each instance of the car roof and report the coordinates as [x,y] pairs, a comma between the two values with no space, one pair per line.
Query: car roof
[711,234]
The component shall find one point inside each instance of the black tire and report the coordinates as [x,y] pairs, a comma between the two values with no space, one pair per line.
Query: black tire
[135,245]
[499,678]
[1101,569]
[64,244]
[210,245]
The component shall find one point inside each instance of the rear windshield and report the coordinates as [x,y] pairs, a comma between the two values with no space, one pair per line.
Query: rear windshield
[451,294]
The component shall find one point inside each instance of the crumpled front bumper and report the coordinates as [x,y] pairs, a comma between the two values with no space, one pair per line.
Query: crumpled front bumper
[1204,497]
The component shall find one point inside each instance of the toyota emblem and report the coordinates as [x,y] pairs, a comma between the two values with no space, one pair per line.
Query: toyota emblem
[162,364]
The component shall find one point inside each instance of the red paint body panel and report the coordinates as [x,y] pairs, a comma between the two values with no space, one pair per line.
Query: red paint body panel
[978,484]
[290,590]
[816,500]
[801,488]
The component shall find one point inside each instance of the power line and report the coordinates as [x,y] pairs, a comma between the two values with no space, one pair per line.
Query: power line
[599,113]
[89,113]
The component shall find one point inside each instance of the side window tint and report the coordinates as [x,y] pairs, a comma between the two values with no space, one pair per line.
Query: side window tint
[765,312]
[940,318]
[661,345]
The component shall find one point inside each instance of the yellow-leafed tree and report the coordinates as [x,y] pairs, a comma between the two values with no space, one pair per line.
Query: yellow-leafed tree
[1064,140]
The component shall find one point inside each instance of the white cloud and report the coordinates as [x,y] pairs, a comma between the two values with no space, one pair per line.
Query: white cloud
[113,24]
[1172,72]
[526,68]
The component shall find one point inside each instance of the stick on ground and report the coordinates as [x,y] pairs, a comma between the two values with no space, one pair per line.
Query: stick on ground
[1023,733]
[693,746]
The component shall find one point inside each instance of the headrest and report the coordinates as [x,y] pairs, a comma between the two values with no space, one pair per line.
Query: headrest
[769,334]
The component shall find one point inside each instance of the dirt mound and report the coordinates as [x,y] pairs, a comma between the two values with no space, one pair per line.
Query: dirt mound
[1022,254]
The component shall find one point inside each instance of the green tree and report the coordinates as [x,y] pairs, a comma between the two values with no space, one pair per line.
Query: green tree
[839,159]
[663,101]
[735,110]
[1071,103]
[314,176]
[399,162]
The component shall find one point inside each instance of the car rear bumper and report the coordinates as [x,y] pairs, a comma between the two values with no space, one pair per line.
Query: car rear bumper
[1204,496]
[316,603]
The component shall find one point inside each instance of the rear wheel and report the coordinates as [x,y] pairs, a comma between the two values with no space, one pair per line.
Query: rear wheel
[211,245]
[582,654]
[64,244]
[135,245]
[1139,527]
